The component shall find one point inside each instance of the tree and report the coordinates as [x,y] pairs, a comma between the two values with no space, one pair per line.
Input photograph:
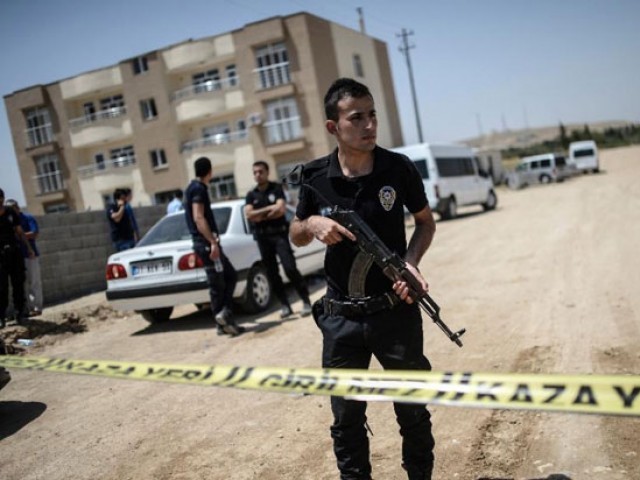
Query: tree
[564,140]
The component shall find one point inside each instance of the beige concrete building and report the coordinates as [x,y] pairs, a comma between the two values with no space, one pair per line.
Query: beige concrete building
[253,93]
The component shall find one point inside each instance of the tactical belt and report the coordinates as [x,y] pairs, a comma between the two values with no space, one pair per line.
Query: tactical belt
[360,306]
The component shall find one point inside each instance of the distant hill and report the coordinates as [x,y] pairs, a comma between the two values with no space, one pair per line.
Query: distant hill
[531,136]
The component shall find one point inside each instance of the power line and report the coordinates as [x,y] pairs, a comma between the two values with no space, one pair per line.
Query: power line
[404,48]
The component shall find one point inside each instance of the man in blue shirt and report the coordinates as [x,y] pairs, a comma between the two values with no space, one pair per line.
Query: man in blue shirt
[175,205]
[33,285]
[122,230]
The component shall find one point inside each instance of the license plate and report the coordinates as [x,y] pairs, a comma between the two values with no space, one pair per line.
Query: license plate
[151,267]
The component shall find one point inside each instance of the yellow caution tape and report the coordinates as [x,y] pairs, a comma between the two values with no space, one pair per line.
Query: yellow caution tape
[600,394]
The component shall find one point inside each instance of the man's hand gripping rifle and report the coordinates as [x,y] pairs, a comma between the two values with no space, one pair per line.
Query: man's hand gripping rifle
[392,265]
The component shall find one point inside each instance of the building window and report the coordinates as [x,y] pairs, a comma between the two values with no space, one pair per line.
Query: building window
[89,110]
[216,134]
[49,176]
[114,102]
[206,81]
[357,65]
[232,75]
[123,156]
[222,187]
[272,66]
[158,158]
[39,128]
[56,208]
[241,128]
[139,65]
[283,122]
[99,160]
[148,108]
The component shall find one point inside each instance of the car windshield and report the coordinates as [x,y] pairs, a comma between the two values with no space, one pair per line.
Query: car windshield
[174,227]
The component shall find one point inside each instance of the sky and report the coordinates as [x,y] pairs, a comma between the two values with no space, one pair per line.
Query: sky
[479,65]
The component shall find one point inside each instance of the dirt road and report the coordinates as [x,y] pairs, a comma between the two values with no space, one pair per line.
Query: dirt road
[547,283]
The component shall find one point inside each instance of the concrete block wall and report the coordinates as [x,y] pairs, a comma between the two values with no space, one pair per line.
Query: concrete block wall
[74,248]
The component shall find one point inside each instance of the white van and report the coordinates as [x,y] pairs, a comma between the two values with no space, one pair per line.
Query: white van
[544,168]
[451,177]
[584,155]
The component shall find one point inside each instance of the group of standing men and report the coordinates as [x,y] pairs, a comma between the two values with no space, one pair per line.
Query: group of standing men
[19,262]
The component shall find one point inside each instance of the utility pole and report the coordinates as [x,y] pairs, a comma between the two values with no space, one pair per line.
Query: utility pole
[361,20]
[404,48]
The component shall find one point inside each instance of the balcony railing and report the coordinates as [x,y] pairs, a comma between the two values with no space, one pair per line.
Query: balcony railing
[212,140]
[272,76]
[278,131]
[49,182]
[40,135]
[205,87]
[106,166]
[102,115]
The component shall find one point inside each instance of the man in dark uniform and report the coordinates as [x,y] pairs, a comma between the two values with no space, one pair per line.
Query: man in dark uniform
[265,208]
[11,262]
[221,275]
[384,321]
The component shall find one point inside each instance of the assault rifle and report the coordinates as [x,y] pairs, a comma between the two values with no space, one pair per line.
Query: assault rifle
[393,266]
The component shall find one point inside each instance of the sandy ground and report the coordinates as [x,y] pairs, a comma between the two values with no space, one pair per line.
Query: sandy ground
[546,283]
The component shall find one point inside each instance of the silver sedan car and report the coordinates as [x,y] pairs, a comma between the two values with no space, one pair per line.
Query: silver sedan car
[163,271]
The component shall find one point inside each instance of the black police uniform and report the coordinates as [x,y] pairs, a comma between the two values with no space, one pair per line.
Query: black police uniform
[386,327]
[272,237]
[11,264]
[221,284]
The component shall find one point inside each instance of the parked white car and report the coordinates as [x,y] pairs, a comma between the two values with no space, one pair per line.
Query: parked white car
[163,271]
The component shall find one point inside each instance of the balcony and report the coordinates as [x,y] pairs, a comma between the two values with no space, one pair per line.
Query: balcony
[103,126]
[206,99]
[190,54]
[118,166]
[217,141]
[272,76]
[99,81]
[50,183]
[41,135]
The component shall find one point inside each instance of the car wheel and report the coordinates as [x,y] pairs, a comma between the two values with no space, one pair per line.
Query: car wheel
[492,201]
[545,179]
[257,295]
[157,315]
[451,210]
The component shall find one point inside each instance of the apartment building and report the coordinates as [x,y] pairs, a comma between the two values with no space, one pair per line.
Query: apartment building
[249,94]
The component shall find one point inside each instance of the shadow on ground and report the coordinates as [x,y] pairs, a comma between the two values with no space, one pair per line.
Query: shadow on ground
[201,319]
[553,476]
[15,415]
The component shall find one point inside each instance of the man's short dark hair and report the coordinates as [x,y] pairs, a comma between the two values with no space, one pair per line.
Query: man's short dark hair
[202,167]
[261,163]
[1,193]
[118,193]
[179,194]
[342,88]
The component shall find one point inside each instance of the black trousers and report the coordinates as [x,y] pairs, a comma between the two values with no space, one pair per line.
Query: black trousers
[395,337]
[221,284]
[272,246]
[11,268]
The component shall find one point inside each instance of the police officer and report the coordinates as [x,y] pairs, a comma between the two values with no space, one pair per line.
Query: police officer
[265,208]
[363,312]
[221,276]
[11,262]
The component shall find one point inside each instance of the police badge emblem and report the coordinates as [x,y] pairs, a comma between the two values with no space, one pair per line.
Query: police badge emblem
[387,196]
[272,198]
